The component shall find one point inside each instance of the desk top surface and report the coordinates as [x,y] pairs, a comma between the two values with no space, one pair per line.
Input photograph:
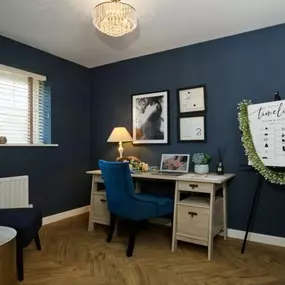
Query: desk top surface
[208,178]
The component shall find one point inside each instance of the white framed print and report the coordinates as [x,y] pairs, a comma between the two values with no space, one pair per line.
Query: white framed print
[191,129]
[150,123]
[191,99]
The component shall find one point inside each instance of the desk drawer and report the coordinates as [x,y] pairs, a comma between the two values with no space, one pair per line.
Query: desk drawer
[195,186]
[100,208]
[193,221]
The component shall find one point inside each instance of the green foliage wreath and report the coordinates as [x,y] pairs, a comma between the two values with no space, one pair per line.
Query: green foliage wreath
[270,175]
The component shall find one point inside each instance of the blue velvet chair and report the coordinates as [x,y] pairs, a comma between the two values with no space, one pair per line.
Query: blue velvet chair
[123,202]
[27,222]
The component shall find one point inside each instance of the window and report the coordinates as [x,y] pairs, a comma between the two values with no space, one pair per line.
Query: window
[25,113]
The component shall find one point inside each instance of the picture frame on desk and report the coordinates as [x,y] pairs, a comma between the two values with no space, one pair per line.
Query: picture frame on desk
[175,162]
[150,118]
[191,128]
[191,99]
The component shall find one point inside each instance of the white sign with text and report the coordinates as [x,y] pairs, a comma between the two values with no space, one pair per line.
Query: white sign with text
[267,126]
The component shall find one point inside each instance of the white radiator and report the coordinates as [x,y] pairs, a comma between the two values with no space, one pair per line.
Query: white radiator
[14,192]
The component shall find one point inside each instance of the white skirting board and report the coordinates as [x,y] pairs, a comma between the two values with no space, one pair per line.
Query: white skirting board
[265,239]
[64,215]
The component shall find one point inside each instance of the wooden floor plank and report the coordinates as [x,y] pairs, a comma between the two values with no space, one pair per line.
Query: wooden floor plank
[71,255]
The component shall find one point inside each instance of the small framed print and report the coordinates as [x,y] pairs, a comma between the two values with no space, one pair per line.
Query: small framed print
[191,99]
[191,129]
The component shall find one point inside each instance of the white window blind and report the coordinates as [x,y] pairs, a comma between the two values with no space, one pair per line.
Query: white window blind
[24,107]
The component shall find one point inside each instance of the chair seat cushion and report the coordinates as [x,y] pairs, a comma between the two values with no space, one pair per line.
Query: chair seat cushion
[26,221]
[163,205]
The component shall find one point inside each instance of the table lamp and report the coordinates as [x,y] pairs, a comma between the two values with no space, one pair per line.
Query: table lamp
[120,135]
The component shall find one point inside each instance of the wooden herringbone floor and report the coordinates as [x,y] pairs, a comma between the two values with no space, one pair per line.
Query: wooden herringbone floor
[73,256]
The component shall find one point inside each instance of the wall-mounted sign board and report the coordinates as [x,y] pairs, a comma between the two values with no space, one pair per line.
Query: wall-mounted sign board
[267,126]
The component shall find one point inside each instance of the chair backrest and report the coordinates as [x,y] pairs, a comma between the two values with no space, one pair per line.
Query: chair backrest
[119,187]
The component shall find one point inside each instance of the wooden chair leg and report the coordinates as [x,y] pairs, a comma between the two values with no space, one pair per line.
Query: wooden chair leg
[111,227]
[38,242]
[20,263]
[132,238]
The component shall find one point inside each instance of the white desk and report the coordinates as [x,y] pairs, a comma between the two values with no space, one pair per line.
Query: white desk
[196,219]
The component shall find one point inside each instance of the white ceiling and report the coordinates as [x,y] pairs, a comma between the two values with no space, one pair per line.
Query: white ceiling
[64,27]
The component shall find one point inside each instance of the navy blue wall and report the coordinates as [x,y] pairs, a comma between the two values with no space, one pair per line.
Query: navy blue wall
[249,66]
[57,175]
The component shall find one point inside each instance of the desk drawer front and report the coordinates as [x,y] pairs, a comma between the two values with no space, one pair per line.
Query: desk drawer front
[195,186]
[193,221]
[100,208]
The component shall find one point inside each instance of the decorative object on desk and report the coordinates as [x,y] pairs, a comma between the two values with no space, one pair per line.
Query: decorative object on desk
[120,135]
[3,140]
[128,159]
[138,167]
[191,129]
[153,168]
[150,118]
[201,163]
[191,99]
[252,150]
[135,164]
[220,163]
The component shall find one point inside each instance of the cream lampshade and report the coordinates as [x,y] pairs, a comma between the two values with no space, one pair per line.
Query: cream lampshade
[120,135]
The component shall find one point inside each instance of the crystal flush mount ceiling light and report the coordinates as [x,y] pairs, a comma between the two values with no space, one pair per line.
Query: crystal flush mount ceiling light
[114,18]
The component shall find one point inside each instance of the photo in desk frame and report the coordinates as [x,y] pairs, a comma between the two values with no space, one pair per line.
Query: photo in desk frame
[175,162]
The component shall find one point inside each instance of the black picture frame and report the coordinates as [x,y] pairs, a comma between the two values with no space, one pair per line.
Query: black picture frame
[164,119]
[179,118]
[198,111]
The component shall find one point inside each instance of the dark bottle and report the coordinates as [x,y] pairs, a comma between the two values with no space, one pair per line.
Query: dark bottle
[220,168]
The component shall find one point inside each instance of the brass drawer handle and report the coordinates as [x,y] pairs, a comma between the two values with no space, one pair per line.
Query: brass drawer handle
[103,200]
[193,186]
[192,214]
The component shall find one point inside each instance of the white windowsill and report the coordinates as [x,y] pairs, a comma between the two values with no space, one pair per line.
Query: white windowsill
[27,145]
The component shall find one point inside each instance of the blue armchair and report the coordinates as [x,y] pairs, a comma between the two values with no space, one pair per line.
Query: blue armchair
[123,202]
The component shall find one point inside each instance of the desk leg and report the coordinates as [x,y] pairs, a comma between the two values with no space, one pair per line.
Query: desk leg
[94,188]
[210,237]
[174,221]
[225,211]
